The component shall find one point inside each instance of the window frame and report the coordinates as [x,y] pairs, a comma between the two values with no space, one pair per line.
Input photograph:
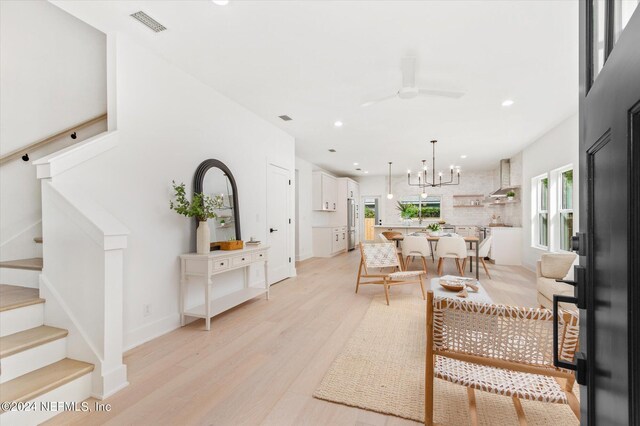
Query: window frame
[538,211]
[561,209]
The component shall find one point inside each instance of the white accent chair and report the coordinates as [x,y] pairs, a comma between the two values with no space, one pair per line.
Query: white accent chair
[549,268]
[483,251]
[374,256]
[451,248]
[413,246]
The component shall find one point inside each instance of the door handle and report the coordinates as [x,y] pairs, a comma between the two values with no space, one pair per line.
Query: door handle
[272,230]
[334,206]
[579,292]
[326,205]
[336,237]
[580,366]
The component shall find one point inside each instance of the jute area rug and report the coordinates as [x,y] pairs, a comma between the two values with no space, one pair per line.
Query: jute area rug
[381,369]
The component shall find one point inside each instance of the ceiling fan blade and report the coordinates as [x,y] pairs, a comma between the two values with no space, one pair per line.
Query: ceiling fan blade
[441,93]
[408,67]
[375,101]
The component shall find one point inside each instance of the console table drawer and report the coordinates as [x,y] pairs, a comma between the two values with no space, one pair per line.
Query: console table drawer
[221,264]
[258,256]
[240,260]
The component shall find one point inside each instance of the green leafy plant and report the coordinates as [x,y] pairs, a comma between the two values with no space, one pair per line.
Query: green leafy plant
[407,211]
[511,194]
[369,213]
[433,227]
[201,206]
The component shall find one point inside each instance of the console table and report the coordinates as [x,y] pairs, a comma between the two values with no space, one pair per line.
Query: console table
[204,267]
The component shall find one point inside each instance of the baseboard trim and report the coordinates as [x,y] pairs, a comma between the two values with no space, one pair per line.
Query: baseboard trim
[148,332]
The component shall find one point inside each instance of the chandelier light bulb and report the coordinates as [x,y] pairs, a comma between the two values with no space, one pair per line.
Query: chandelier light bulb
[390,196]
[423,195]
[440,174]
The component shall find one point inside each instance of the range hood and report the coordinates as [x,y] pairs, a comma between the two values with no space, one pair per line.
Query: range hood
[505,180]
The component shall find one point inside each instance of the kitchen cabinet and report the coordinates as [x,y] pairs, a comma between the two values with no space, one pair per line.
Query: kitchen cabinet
[352,189]
[324,192]
[329,240]
[506,245]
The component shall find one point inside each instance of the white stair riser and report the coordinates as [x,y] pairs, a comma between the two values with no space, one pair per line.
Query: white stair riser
[32,359]
[21,277]
[75,391]
[20,319]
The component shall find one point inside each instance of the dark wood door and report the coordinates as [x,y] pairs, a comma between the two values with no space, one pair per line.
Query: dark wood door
[610,212]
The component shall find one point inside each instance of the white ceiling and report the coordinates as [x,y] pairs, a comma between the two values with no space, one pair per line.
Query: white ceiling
[318,61]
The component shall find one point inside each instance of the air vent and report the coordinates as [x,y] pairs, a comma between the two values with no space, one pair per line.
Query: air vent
[285,118]
[358,169]
[332,150]
[148,21]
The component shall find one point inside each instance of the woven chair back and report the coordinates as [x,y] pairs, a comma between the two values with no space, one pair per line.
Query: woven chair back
[379,255]
[520,335]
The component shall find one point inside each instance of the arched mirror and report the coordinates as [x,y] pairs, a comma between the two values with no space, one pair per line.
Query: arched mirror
[214,178]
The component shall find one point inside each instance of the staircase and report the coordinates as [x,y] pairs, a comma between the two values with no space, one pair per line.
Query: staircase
[34,367]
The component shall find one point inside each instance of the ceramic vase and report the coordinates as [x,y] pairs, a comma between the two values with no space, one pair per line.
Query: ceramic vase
[203,236]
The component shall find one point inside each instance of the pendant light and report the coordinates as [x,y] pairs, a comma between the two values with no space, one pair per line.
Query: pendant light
[389,194]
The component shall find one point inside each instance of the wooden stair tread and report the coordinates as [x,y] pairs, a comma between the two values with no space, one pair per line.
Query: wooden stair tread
[43,380]
[27,339]
[37,240]
[33,264]
[13,297]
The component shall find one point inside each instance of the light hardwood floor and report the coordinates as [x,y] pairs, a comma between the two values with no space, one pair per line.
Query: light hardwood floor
[261,361]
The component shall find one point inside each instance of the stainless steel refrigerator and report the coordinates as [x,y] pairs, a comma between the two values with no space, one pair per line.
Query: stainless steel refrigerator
[352,222]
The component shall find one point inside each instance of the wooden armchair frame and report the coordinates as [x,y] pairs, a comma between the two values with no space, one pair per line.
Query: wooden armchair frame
[531,356]
[385,255]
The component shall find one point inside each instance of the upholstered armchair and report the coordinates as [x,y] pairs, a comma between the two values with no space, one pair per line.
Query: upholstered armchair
[552,267]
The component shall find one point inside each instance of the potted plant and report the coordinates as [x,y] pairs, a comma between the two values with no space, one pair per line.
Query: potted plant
[407,211]
[202,207]
[433,227]
[510,195]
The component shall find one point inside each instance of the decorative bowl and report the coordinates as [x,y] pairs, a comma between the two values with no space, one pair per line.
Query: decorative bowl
[452,285]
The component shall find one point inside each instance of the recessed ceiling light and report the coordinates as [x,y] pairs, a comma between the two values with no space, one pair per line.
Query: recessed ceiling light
[220,2]
[338,124]
[366,171]
[463,156]
[508,102]
[285,118]
[355,164]
[332,150]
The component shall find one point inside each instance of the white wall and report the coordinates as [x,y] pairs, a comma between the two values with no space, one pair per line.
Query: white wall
[556,148]
[168,123]
[304,243]
[52,76]
[480,183]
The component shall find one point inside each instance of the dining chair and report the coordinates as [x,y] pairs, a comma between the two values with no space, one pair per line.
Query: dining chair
[451,248]
[416,245]
[384,255]
[504,350]
[483,251]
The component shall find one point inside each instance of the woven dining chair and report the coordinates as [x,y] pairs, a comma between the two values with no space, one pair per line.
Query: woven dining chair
[384,255]
[499,349]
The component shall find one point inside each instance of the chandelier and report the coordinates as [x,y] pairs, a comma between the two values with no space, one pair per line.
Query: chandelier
[423,179]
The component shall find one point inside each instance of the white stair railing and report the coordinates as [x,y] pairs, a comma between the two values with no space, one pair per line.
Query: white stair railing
[82,278]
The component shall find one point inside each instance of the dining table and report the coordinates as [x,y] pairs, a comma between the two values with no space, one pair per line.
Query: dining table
[473,241]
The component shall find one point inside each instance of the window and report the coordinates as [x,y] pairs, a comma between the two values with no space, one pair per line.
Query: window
[566,209]
[552,215]
[542,214]
[417,207]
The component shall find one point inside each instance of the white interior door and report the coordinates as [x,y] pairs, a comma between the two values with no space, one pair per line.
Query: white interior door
[278,223]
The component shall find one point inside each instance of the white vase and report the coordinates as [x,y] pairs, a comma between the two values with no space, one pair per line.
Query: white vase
[203,236]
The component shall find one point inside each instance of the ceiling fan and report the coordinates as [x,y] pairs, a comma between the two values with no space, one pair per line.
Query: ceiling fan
[409,89]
